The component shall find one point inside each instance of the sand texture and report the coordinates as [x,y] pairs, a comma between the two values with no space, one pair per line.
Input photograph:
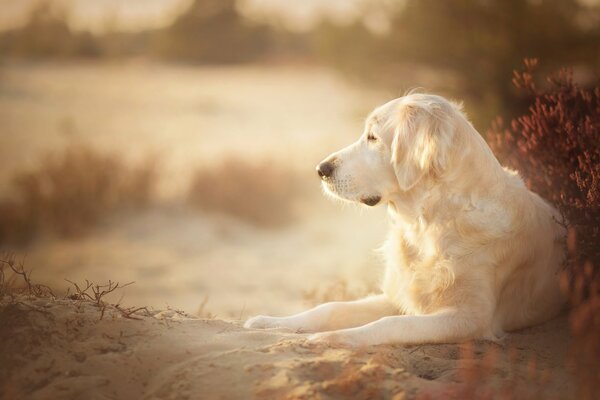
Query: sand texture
[66,349]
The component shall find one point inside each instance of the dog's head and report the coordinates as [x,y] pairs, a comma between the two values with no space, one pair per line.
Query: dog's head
[406,141]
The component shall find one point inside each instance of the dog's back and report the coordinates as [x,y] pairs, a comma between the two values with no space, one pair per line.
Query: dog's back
[531,293]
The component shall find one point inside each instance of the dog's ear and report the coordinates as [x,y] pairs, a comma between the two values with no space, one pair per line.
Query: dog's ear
[420,145]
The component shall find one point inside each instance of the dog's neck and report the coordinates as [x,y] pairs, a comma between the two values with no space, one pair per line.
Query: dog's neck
[433,200]
[408,208]
[473,173]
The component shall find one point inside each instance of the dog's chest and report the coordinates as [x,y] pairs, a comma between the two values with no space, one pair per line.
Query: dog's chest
[415,276]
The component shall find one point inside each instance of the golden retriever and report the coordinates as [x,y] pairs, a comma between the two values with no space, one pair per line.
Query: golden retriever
[471,252]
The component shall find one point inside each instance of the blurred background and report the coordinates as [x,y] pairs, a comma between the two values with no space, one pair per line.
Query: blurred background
[173,142]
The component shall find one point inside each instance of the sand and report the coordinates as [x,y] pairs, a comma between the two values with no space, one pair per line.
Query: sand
[67,349]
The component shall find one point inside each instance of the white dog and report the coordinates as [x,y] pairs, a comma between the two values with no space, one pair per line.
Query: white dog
[471,252]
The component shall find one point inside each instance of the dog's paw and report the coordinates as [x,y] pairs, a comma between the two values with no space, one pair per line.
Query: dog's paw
[263,322]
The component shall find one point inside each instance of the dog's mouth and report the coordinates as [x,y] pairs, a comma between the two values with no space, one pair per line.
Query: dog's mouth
[371,200]
[346,190]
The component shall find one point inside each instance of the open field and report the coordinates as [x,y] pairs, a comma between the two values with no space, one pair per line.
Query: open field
[189,119]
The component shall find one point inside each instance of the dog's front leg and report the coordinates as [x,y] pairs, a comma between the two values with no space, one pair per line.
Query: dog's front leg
[329,316]
[443,327]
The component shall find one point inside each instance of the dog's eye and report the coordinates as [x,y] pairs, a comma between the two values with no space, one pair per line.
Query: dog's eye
[371,137]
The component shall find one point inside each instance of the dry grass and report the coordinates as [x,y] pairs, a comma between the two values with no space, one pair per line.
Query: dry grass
[584,319]
[14,279]
[71,191]
[93,292]
[262,193]
[203,312]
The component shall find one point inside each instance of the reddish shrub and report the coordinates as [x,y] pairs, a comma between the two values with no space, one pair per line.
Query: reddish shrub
[556,148]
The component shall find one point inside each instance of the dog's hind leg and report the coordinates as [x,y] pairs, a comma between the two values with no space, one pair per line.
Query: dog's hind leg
[330,316]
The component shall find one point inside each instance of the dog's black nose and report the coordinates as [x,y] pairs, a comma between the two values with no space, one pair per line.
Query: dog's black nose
[325,169]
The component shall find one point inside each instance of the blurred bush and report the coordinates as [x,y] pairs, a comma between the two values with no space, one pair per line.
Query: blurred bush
[47,35]
[208,31]
[262,193]
[461,48]
[469,47]
[556,147]
[71,191]
[211,31]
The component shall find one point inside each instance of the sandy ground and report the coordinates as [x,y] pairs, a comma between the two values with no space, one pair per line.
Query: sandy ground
[65,349]
[181,258]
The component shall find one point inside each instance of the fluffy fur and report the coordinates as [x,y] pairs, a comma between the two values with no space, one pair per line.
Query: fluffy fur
[471,252]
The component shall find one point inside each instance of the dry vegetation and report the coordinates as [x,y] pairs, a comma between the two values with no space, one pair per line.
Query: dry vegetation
[71,191]
[21,330]
[15,280]
[556,147]
[203,312]
[263,193]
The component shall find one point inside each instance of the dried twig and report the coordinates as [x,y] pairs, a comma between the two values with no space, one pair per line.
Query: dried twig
[131,311]
[94,293]
[18,270]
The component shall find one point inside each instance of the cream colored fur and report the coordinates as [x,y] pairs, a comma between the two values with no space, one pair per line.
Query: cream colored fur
[471,252]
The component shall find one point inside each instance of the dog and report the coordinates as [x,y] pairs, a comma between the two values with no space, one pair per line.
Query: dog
[471,252]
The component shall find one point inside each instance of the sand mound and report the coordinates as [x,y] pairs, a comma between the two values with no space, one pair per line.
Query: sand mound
[63,349]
